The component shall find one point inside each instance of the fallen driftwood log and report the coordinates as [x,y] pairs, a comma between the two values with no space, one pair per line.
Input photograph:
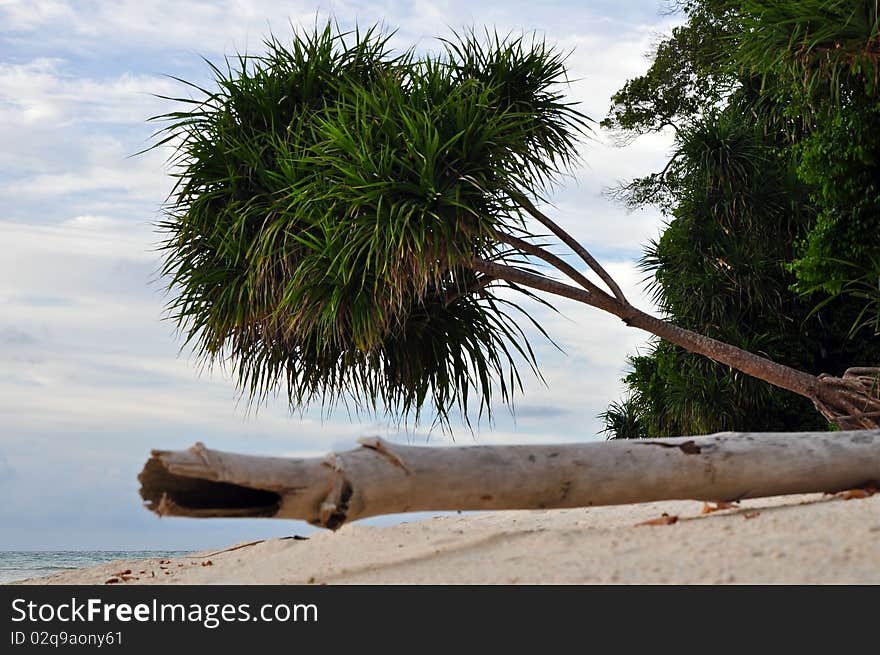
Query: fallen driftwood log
[384,478]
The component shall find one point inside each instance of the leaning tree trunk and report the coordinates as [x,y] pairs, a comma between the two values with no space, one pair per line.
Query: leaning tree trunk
[385,478]
[851,402]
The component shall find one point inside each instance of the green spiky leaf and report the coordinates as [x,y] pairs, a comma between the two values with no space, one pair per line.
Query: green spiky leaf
[330,198]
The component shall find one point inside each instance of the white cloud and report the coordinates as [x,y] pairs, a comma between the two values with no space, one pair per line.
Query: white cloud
[45,92]
[229,26]
[218,26]
[106,168]
[65,135]
[84,237]
[26,15]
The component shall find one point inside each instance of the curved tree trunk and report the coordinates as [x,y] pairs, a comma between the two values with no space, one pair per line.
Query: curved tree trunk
[742,360]
[851,402]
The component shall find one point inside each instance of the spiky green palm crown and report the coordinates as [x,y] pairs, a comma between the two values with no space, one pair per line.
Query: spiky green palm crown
[330,198]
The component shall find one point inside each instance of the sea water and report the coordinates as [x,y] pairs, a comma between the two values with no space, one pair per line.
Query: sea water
[20,564]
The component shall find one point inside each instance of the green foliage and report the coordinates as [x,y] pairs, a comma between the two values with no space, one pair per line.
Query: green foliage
[769,185]
[623,421]
[863,286]
[820,60]
[841,162]
[679,393]
[683,80]
[822,47]
[330,197]
[718,269]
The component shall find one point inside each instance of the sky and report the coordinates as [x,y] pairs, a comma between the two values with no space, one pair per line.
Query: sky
[92,374]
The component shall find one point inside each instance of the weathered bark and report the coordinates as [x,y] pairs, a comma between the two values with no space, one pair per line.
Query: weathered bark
[385,478]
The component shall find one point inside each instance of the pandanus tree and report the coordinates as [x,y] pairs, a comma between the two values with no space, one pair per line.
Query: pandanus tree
[350,225]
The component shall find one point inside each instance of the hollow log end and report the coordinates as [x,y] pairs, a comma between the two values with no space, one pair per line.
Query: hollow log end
[170,493]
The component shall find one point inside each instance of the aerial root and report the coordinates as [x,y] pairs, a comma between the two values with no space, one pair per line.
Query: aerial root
[851,402]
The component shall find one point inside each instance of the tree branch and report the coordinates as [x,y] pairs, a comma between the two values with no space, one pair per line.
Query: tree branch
[541,283]
[557,262]
[568,240]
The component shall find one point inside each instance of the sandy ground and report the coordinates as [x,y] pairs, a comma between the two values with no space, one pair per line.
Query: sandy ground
[793,539]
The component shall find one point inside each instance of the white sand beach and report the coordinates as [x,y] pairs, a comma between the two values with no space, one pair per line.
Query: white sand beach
[805,539]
